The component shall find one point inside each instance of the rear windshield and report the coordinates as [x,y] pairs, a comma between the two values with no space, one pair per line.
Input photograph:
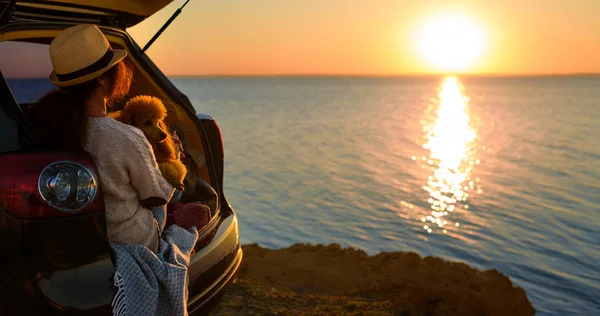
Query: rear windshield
[26,67]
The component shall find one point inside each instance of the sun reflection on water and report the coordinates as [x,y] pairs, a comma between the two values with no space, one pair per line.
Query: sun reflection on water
[450,140]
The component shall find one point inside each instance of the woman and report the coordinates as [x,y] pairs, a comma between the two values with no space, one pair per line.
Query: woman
[90,75]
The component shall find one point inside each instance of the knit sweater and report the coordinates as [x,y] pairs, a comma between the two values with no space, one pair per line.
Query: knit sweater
[128,174]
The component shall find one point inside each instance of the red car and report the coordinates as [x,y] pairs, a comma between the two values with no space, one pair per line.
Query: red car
[55,258]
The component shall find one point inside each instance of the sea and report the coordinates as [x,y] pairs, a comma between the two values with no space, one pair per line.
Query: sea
[498,172]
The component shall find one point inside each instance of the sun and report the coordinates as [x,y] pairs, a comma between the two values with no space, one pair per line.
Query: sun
[451,42]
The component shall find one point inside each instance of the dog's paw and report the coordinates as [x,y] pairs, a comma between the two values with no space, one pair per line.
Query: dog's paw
[174,172]
[178,185]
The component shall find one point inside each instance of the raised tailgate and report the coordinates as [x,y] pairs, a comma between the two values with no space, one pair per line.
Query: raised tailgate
[115,13]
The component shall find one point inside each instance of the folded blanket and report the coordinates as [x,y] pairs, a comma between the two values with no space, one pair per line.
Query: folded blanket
[188,214]
[154,284]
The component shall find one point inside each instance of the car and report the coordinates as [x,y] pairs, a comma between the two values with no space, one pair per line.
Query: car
[55,258]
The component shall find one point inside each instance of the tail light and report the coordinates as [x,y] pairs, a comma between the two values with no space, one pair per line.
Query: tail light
[207,118]
[42,185]
[220,138]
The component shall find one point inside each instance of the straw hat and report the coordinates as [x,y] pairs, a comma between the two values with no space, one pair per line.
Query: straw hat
[81,53]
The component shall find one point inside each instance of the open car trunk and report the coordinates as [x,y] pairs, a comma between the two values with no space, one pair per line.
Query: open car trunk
[217,253]
[203,152]
[114,13]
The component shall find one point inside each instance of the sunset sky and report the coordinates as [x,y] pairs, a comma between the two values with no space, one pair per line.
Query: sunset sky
[378,37]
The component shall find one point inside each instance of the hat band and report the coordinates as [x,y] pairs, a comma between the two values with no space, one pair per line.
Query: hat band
[96,66]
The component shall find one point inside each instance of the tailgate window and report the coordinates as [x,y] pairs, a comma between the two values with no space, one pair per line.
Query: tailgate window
[26,67]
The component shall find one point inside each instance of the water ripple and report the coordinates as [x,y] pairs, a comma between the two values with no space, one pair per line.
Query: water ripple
[341,160]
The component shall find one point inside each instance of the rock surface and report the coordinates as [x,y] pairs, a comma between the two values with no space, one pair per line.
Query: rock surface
[330,280]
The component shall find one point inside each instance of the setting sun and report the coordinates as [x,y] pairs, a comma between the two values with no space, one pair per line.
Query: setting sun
[451,42]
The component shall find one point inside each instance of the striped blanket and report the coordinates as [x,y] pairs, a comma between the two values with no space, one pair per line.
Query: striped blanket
[151,283]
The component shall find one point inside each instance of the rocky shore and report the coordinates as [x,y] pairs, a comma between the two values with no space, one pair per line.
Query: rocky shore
[330,280]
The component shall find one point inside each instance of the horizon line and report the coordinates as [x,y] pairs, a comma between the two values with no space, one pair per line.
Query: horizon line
[575,74]
[324,75]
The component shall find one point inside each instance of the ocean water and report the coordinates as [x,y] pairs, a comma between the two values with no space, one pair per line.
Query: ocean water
[500,173]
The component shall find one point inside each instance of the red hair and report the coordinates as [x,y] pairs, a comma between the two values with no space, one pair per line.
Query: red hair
[60,117]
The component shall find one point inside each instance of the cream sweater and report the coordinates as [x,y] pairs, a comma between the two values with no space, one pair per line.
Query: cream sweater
[128,174]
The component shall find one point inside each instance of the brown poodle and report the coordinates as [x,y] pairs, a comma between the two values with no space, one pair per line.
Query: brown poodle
[148,113]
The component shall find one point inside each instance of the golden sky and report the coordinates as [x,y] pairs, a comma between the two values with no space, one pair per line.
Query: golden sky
[370,37]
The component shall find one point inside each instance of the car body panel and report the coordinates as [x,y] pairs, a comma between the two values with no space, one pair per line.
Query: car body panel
[10,228]
[73,272]
[113,13]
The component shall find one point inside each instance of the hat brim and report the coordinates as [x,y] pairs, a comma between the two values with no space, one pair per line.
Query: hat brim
[119,55]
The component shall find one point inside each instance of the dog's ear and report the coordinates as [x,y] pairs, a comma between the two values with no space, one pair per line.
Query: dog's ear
[164,127]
